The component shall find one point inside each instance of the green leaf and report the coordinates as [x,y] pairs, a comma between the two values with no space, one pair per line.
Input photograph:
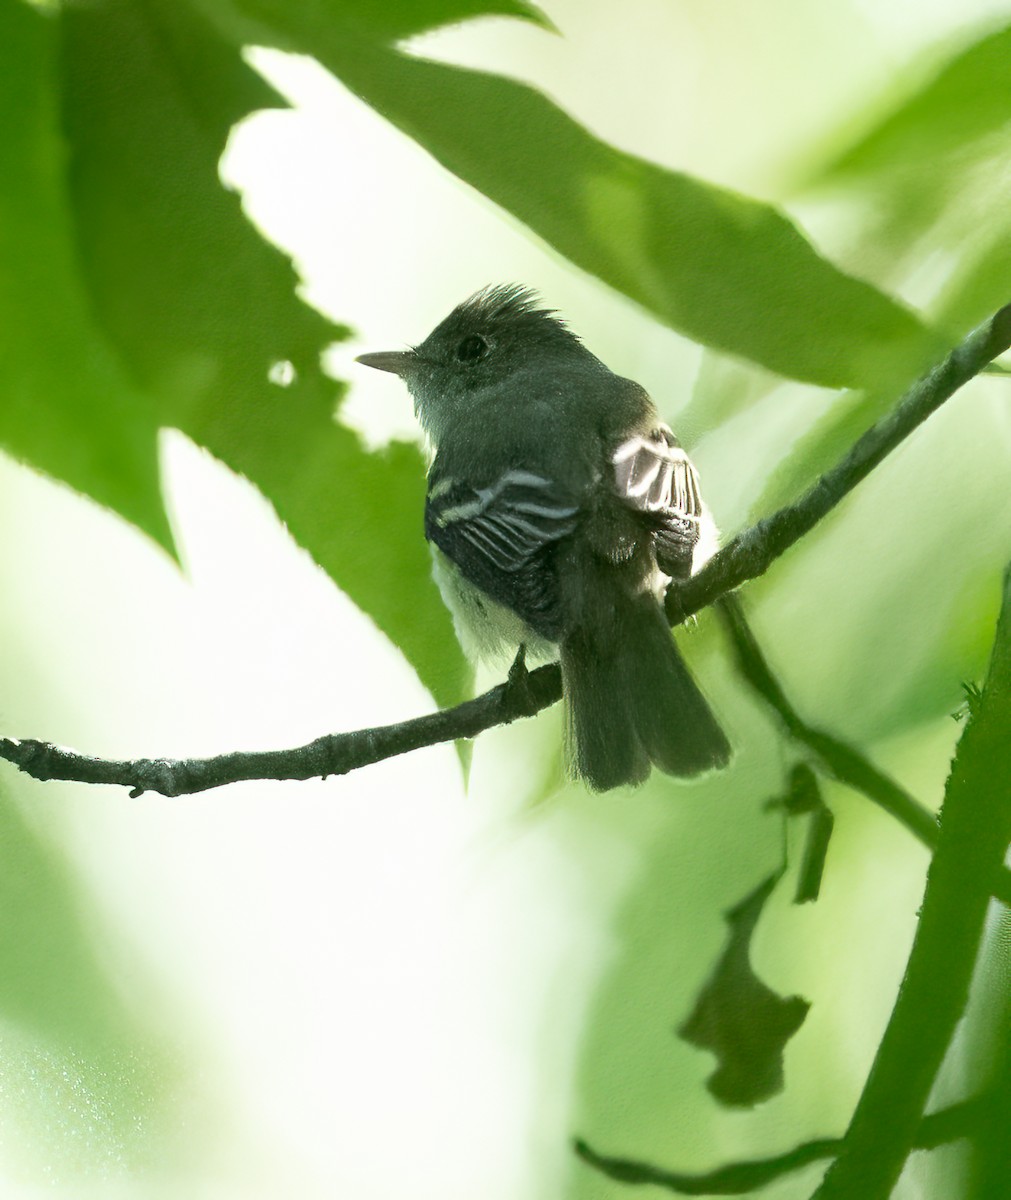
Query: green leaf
[935,164]
[964,101]
[70,407]
[818,449]
[203,310]
[975,829]
[982,283]
[739,1018]
[721,268]
[381,21]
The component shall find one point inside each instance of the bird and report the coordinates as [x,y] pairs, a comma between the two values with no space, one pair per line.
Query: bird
[558,507]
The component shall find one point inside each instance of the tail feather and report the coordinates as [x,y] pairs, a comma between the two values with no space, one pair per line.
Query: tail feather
[631,702]
[602,745]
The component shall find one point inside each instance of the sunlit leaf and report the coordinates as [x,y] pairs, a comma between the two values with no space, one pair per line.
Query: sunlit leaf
[820,448]
[723,269]
[740,1018]
[69,405]
[935,164]
[382,21]
[205,312]
[982,282]
[963,101]
[726,270]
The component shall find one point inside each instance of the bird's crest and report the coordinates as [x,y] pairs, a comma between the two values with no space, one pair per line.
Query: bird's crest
[507,302]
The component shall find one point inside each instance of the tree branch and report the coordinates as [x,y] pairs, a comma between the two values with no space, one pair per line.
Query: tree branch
[735,1179]
[837,758]
[751,553]
[746,556]
[974,833]
[332,754]
[840,760]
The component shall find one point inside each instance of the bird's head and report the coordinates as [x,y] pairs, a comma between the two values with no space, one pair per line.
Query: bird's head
[485,341]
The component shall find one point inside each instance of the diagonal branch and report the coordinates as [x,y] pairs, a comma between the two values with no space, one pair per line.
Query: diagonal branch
[751,553]
[837,757]
[746,556]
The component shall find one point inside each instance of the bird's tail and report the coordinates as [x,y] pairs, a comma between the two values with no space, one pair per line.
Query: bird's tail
[632,703]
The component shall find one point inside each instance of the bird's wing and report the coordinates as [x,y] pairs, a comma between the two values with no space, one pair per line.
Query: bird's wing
[501,538]
[654,476]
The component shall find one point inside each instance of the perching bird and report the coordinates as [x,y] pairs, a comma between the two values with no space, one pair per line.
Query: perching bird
[558,503]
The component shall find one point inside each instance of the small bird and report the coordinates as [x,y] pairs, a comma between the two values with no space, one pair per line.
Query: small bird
[559,505]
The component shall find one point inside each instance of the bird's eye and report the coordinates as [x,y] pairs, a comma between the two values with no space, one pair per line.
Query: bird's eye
[472,348]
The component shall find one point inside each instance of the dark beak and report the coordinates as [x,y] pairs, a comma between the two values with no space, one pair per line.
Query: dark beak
[397,361]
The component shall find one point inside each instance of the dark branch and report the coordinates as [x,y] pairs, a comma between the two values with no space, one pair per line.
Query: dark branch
[748,555]
[735,1179]
[752,552]
[839,759]
[333,754]
[835,756]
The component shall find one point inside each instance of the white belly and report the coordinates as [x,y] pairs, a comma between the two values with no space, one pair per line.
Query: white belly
[487,630]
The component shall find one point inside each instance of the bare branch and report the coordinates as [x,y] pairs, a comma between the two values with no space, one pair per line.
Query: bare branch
[746,556]
[333,754]
[751,553]
[734,1179]
[840,760]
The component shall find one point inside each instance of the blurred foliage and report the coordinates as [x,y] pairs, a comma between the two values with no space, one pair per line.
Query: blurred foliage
[373,19]
[726,270]
[135,295]
[741,1019]
[721,268]
[83,1074]
[140,297]
[928,175]
[69,404]
[205,340]
[134,101]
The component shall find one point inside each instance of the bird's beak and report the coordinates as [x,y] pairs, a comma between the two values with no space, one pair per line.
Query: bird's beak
[397,361]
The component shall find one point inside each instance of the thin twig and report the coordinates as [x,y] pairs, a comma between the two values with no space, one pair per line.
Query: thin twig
[734,1179]
[840,760]
[332,754]
[748,555]
[751,553]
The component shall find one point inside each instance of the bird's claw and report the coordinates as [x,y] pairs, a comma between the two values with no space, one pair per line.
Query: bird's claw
[518,695]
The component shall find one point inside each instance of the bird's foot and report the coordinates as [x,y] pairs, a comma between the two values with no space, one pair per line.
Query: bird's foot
[519,697]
